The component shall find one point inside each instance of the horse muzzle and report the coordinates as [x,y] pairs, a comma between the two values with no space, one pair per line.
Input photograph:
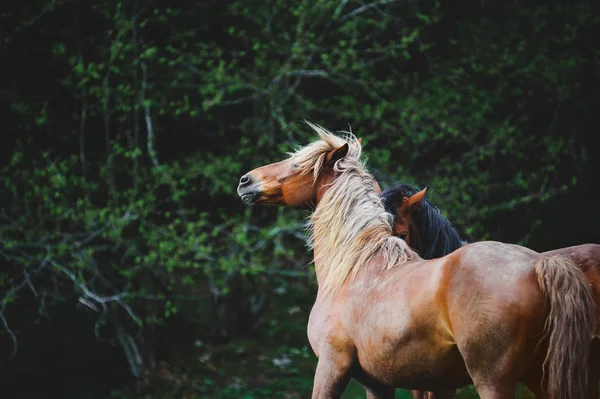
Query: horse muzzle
[249,189]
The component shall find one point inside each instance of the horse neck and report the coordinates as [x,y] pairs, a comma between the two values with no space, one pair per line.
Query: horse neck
[437,236]
[320,269]
[349,226]
[414,238]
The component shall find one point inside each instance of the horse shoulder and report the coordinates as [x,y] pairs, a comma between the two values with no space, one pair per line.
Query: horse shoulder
[325,328]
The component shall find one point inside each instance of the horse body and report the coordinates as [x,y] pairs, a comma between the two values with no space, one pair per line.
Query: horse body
[415,322]
[426,319]
[433,236]
[390,319]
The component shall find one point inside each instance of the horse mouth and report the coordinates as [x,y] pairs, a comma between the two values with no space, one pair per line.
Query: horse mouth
[249,198]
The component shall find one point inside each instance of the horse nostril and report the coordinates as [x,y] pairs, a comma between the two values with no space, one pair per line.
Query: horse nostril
[244,180]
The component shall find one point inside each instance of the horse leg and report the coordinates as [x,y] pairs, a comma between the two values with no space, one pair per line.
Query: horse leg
[594,376]
[593,389]
[535,386]
[495,356]
[594,379]
[332,375]
[380,393]
[496,375]
[375,390]
[495,369]
[533,377]
[497,391]
[433,395]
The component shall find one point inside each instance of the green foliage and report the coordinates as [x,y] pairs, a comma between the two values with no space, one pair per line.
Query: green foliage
[117,186]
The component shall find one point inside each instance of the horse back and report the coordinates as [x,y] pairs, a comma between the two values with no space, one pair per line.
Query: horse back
[492,288]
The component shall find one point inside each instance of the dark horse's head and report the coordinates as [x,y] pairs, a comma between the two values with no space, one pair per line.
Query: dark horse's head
[419,222]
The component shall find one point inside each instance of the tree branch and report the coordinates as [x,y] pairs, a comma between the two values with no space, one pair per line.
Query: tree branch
[102,300]
[10,333]
[12,291]
[366,7]
[148,117]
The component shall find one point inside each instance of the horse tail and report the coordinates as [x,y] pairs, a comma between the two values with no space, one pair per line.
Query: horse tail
[570,326]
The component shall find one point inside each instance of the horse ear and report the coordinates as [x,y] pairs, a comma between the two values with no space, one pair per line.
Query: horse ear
[339,153]
[377,187]
[360,140]
[414,201]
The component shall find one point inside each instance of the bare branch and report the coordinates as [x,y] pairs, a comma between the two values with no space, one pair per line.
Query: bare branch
[308,73]
[148,117]
[366,7]
[30,284]
[89,304]
[131,350]
[10,332]
[12,291]
[102,300]
[339,9]
[26,281]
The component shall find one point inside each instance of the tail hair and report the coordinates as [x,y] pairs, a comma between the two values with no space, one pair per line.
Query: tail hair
[570,326]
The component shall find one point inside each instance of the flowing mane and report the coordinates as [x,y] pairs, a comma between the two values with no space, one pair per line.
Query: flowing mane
[350,224]
[437,236]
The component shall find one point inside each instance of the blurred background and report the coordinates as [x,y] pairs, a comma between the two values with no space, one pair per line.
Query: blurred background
[128,265]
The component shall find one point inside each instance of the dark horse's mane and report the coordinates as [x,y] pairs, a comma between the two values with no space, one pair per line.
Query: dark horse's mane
[437,237]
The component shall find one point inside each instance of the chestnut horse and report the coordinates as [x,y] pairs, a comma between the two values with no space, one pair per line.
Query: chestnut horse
[487,314]
[432,235]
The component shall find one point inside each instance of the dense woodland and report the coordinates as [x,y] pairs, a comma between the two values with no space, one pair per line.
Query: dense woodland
[129,266]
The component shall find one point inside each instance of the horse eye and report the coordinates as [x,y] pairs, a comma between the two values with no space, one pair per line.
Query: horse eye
[295,166]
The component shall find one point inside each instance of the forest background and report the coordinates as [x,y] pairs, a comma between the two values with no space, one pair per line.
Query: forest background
[128,265]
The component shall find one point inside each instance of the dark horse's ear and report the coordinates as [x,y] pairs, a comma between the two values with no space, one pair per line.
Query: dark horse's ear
[333,155]
[377,187]
[414,201]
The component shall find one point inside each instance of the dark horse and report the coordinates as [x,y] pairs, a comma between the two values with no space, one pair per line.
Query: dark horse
[432,235]
[419,222]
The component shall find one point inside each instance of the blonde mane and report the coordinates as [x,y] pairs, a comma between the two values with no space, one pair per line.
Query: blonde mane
[349,225]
